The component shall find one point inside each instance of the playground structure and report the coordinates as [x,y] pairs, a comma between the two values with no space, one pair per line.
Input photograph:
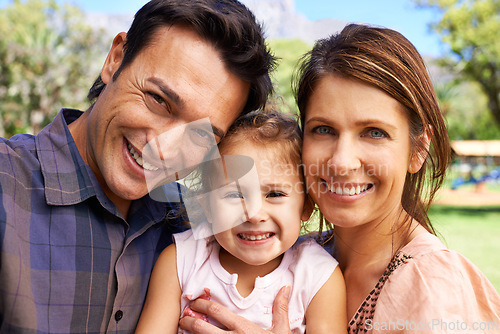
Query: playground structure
[477,162]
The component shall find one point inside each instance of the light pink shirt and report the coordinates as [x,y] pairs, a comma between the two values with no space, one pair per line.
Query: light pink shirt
[430,289]
[305,267]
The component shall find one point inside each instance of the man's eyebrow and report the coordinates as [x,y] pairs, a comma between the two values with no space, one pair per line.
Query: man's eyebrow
[170,93]
[218,132]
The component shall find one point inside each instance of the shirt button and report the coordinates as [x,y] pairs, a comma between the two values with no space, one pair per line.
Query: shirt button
[118,315]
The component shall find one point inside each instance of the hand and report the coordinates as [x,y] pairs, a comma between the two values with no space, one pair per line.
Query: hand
[234,323]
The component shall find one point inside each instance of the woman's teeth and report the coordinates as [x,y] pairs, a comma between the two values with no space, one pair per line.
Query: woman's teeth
[139,160]
[348,191]
[253,237]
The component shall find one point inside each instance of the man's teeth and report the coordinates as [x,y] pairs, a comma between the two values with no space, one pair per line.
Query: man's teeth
[348,191]
[139,160]
[253,237]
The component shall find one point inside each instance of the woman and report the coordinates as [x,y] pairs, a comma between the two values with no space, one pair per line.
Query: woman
[375,152]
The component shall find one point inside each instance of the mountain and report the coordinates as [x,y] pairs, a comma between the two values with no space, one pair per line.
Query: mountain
[281,20]
[278,17]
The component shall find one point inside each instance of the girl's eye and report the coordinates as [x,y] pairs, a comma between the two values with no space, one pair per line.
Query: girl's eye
[276,194]
[377,133]
[233,195]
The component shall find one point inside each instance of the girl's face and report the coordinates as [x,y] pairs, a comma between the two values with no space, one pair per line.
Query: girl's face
[356,152]
[257,219]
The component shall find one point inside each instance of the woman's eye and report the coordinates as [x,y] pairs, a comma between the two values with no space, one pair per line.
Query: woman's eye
[322,130]
[377,133]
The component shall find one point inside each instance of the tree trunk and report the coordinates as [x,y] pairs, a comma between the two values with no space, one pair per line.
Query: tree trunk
[494,106]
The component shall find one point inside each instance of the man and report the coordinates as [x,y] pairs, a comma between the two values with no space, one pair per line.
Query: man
[78,233]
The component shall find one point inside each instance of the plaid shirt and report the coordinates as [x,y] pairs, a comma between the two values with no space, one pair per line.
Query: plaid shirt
[69,262]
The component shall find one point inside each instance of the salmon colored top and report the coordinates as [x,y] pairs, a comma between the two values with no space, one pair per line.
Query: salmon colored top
[428,288]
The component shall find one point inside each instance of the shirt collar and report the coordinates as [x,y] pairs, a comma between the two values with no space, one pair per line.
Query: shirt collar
[68,179]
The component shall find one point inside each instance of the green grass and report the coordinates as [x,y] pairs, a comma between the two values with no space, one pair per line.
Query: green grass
[474,232]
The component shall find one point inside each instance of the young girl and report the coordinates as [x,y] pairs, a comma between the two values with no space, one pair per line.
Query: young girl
[256,222]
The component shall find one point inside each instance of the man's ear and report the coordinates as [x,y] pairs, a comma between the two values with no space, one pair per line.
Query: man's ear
[114,58]
[308,208]
[419,155]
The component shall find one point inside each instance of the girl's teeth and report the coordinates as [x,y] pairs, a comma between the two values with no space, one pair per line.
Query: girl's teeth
[139,159]
[253,237]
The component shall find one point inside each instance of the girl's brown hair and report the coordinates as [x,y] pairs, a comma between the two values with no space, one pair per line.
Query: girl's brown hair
[269,129]
[386,60]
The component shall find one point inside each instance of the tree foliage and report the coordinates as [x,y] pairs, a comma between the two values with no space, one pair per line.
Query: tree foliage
[466,110]
[288,52]
[471,29]
[47,60]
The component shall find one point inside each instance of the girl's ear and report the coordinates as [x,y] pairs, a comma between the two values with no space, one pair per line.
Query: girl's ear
[419,155]
[308,208]
[114,58]
[204,202]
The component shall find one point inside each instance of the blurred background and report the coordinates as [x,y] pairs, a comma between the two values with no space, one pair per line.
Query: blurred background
[51,51]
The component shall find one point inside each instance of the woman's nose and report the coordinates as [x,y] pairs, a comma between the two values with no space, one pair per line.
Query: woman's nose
[344,157]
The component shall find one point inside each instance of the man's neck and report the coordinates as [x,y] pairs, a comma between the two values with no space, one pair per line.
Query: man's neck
[78,130]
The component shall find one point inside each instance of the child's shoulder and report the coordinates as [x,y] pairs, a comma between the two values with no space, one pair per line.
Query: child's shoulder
[184,236]
[308,241]
[308,251]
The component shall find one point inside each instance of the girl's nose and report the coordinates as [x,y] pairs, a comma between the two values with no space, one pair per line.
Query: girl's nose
[259,217]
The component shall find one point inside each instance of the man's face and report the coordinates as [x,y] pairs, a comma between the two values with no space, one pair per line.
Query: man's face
[165,105]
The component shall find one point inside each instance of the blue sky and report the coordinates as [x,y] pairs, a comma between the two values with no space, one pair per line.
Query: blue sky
[401,15]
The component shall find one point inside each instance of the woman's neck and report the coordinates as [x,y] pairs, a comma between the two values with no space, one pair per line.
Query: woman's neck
[363,253]
[363,246]
[374,242]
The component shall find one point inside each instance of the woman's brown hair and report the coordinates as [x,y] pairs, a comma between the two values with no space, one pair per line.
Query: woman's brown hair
[385,59]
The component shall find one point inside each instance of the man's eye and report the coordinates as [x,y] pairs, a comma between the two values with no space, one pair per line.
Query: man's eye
[201,133]
[158,98]
[202,137]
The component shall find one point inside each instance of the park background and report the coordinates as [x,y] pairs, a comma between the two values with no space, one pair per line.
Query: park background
[51,51]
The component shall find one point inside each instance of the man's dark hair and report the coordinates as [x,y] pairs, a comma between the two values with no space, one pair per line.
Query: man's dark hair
[227,24]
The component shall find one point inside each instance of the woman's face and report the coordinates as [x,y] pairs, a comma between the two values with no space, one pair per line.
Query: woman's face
[356,151]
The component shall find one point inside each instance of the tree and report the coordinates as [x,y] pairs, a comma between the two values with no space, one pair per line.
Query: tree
[466,111]
[288,52]
[46,62]
[471,30]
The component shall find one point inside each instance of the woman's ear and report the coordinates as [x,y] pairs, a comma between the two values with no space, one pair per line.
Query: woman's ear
[308,208]
[114,58]
[419,155]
